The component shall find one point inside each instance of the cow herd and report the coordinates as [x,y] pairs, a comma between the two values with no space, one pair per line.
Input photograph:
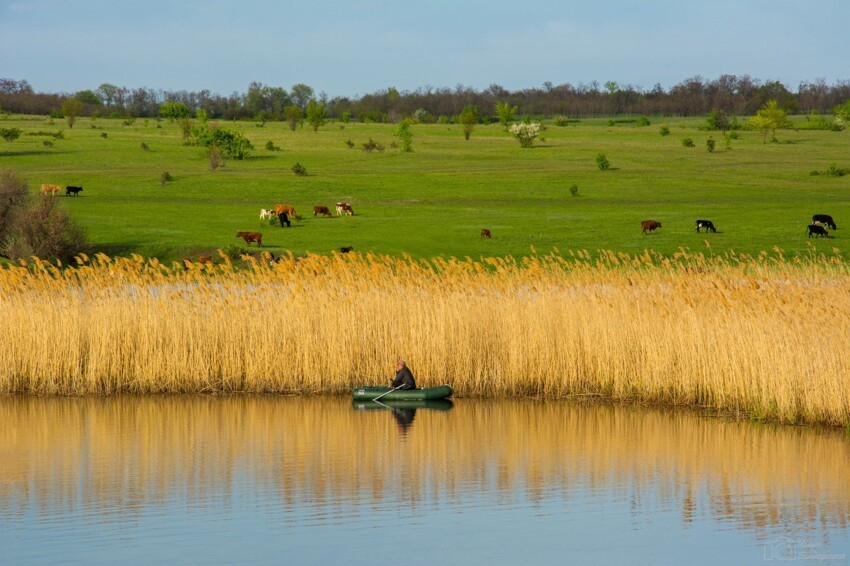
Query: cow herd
[283,212]
[816,229]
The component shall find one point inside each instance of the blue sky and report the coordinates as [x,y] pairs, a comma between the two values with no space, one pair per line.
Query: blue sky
[354,47]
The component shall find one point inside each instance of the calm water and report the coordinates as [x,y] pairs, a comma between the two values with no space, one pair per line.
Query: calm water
[247,480]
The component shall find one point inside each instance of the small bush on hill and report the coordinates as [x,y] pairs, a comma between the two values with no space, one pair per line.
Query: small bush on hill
[664,131]
[710,144]
[299,170]
[602,162]
[688,142]
[10,134]
[165,177]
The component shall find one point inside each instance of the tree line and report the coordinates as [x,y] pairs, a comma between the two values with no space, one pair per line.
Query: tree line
[695,96]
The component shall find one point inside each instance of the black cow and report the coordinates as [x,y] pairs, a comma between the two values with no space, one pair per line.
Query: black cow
[72,191]
[818,231]
[824,219]
[707,224]
[346,249]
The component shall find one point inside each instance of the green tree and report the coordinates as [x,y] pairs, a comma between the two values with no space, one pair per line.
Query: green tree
[468,118]
[107,93]
[406,136]
[71,108]
[316,114]
[174,110]
[293,114]
[770,117]
[301,94]
[717,120]
[10,134]
[506,113]
[842,111]
[88,97]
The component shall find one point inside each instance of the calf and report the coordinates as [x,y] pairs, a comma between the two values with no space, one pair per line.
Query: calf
[824,219]
[485,233]
[818,231]
[323,210]
[650,225]
[70,190]
[251,237]
[707,224]
[266,213]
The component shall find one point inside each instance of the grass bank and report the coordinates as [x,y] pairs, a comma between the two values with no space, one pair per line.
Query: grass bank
[762,335]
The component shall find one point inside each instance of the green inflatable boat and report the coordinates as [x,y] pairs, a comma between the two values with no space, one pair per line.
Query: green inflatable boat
[387,394]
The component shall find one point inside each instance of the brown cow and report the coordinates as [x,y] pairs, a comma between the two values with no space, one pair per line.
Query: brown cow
[287,208]
[323,210]
[650,225]
[205,259]
[251,237]
[52,189]
[485,233]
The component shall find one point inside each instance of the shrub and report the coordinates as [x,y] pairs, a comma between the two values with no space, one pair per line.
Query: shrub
[664,131]
[371,145]
[574,190]
[833,170]
[145,147]
[40,230]
[349,143]
[561,120]
[104,135]
[10,134]
[688,142]
[643,121]
[165,177]
[231,144]
[525,133]
[299,170]
[602,162]
[215,157]
[47,143]
[709,145]
[270,146]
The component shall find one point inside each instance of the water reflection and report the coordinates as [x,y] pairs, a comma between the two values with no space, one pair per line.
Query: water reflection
[80,471]
[404,411]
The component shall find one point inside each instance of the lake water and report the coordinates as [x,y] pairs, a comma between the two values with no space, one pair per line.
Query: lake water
[290,480]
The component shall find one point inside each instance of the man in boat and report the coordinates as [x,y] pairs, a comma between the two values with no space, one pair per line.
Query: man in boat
[403,377]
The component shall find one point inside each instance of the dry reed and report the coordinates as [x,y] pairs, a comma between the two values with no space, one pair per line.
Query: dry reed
[762,335]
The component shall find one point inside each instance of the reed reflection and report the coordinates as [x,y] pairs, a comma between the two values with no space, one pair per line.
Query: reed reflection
[127,454]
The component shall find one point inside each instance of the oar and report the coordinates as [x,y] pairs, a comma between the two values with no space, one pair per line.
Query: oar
[386,392]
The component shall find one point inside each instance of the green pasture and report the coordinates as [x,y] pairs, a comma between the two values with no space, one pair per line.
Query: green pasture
[436,200]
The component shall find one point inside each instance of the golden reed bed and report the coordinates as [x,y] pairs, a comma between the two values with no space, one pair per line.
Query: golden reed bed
[764,336]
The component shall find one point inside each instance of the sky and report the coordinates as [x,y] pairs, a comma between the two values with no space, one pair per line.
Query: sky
[355,47]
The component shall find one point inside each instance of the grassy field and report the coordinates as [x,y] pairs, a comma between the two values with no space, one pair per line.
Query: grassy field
[435,201]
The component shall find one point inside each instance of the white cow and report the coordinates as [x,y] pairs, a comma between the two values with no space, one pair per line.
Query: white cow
[266,213]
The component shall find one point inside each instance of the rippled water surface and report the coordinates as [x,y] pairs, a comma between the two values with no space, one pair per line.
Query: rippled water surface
[186,480]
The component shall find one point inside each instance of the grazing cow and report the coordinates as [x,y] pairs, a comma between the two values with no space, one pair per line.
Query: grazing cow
[287,208]
[70,190]
[266,213]
[824,219]
[50,189]
[346,249]
[650,225]
[344,207]
[485,233]
[323,210]
[251,237]
[707,224]
[818,231]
